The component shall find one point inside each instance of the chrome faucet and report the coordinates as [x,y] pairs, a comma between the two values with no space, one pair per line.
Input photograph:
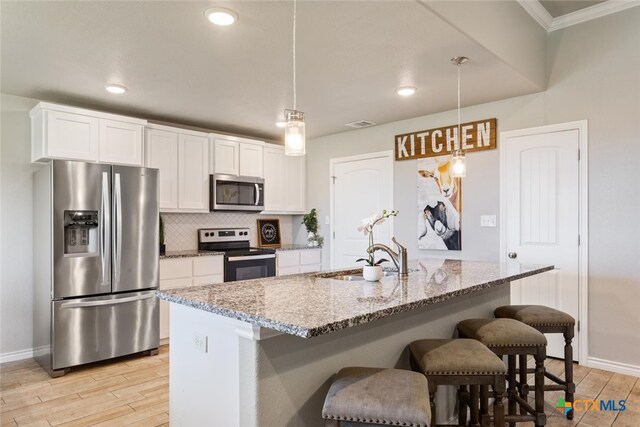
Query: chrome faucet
[399,258]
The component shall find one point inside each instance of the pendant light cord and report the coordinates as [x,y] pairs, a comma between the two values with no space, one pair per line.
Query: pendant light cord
[459,127]
[294,57]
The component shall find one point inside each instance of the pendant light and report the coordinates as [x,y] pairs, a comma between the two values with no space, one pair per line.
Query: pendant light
[294,138]
[458,160]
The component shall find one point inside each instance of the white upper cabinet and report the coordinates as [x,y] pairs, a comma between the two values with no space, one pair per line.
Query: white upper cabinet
[232,155]
[284,181]
[120,142]
[251,159]
[226,157]
[161,152]
[274,179]
[61,132]
[193,173]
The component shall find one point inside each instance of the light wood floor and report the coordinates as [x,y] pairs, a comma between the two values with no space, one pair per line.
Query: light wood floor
[135,391]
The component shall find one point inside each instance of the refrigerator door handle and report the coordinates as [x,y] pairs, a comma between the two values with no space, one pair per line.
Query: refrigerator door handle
[117,234]
[105,231]
[113,301]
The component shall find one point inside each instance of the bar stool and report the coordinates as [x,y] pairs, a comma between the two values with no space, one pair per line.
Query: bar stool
[546,320]
[374,396]
[508,337]
[461,362]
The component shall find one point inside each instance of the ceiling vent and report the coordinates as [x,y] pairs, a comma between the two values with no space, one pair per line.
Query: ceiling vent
[360,124]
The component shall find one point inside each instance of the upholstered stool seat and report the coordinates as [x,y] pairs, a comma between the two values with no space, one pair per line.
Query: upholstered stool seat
[548,321]
[461,362]
[511,338]
[373,396]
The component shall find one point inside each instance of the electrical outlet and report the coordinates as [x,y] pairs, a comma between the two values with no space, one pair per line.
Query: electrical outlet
[326,220]
[200,342]
[487,221]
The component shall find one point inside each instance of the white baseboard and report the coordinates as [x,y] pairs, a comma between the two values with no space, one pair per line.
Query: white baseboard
[610,365]
[12,356]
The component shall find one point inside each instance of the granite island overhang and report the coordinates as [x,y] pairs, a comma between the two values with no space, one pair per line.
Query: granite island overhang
[258,368]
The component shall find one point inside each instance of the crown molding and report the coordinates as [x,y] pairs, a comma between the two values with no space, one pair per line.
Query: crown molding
[537,12]
[546,21]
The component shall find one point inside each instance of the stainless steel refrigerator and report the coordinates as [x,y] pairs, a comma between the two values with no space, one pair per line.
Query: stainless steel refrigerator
[96,250]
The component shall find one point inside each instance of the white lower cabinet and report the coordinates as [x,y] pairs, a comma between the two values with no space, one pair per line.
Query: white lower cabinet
[298,261]
[184,272]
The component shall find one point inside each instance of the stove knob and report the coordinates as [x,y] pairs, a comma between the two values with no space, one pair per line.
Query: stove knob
[206,234]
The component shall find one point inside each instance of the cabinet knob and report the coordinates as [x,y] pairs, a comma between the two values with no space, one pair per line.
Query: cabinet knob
[512,255]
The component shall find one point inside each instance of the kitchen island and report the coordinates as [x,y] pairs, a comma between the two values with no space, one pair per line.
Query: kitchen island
[262,352]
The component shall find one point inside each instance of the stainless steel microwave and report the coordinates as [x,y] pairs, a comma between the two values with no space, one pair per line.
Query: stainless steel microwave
[236,193]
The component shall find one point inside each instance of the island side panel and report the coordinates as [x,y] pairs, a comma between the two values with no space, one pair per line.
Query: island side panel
[294,374]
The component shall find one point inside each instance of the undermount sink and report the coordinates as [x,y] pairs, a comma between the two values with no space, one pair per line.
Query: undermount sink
[357,277]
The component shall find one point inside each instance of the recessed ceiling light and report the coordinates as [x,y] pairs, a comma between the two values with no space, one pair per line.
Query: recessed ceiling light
[116,89]
[281,124]
[406,91]
[221,16]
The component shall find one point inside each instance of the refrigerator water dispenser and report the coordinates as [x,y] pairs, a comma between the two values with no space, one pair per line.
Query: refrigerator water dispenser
[81,233]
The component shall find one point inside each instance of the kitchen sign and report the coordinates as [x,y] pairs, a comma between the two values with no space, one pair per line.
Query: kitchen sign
[476,136]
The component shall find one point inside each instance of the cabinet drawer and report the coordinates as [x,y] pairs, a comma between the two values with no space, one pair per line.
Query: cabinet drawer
[288,258]
[176,268]
[208,265]
[283,271]
[175,283]
[208,280]
[310,268]
[310,256]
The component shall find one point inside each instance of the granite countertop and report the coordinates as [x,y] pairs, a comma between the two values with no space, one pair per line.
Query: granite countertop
[312,304]
[188,254]
[296,247]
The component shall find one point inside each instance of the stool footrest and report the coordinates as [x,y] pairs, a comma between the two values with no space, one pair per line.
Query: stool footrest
[555,387]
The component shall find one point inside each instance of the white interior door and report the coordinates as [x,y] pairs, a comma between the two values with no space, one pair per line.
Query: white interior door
[361,186]
[542,220]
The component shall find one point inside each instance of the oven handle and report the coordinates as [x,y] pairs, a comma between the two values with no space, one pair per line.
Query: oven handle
[250,257]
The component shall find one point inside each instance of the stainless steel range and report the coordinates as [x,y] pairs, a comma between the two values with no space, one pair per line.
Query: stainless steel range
[241,261]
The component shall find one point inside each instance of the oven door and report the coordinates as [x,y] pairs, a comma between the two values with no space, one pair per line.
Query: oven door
[236,193]
[249,267]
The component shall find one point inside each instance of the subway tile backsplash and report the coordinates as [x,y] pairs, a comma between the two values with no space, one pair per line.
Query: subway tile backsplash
[180,229]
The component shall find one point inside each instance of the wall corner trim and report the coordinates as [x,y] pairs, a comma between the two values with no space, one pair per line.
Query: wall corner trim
[613,366]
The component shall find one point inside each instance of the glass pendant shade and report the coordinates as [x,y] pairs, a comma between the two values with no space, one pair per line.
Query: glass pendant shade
[458,165]
[294,138]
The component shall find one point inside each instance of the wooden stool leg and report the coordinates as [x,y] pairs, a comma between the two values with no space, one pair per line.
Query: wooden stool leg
[463,403]
[568,368]
[524,389]
[474,419]
[432,401]
[498,407]
[484,401]
[539,392]
[511,391]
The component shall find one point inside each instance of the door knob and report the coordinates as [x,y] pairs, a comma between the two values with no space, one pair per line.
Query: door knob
[512,255]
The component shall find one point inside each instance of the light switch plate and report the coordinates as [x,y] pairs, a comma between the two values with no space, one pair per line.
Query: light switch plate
[487,221]
[326,220]
[200,342]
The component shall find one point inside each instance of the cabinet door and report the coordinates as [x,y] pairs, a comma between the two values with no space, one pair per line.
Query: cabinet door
[251,160]
[120,143]
[274,179]
[295,184]
[72,136]
[226,157]
[161,152]
[193,173]
[208,266]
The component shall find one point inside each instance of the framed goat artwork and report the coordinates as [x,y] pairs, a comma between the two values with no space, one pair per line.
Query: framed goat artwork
[439,205]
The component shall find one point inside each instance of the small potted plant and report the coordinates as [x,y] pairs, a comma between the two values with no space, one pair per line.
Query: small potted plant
[163,248]
[372,272]
[310,221]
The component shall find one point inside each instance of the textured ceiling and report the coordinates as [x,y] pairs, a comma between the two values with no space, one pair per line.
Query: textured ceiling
[180,68]
[562,7]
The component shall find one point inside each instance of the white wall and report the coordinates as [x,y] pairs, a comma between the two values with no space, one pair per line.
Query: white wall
[16,242]
[594,74]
